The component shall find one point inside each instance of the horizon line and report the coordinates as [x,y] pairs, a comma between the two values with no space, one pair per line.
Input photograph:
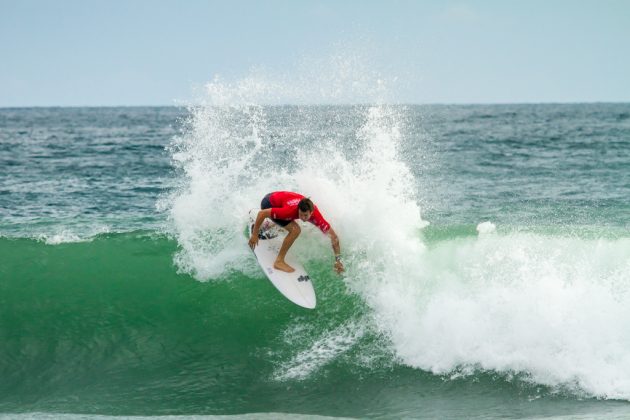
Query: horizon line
[325,104]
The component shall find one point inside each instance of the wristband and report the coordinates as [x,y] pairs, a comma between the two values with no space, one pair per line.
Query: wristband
[338,258]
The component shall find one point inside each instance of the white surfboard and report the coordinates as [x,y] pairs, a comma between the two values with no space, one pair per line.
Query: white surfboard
[295,286]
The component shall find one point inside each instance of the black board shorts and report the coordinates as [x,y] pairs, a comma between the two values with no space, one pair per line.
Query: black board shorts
[266,204]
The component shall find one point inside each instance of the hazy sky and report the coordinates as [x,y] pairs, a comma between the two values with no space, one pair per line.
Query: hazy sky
[136,52]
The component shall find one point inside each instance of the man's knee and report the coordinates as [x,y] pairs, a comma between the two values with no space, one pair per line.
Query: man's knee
[294,228]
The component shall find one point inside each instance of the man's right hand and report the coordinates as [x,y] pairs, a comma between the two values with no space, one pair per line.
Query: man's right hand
[253,241]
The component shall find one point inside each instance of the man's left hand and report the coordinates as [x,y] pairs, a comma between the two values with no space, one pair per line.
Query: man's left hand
[339,267]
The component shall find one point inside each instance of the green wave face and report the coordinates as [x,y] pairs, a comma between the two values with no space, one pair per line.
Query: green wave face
[109,326]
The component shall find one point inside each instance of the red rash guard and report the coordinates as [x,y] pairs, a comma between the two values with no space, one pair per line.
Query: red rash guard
[284,205]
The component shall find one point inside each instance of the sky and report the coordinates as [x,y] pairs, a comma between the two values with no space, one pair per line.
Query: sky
[165,52]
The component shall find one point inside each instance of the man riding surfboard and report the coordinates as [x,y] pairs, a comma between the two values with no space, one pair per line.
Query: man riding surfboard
[284,207]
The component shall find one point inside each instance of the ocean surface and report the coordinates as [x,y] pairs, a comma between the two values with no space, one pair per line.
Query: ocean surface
[487,250]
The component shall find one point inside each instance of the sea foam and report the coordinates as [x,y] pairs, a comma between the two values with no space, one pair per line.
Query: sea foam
[553,310]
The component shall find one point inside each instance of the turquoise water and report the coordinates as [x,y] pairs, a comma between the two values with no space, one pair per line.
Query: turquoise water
[487,254]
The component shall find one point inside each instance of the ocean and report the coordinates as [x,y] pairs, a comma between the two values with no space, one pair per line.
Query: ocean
[487,254]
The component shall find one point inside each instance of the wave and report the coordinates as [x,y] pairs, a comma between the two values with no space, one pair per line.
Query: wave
[539,309]
[547,309]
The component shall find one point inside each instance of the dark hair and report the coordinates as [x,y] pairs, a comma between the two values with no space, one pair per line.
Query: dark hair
[306,204]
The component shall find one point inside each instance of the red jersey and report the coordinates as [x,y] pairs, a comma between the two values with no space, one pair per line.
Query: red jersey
[284,206]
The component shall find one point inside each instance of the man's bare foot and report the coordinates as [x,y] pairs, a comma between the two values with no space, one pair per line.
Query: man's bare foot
[282,266]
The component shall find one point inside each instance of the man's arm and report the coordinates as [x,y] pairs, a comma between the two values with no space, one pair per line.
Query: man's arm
[334,240]
[253,241]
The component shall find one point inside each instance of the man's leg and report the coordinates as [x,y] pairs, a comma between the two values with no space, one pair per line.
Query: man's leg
[294,232]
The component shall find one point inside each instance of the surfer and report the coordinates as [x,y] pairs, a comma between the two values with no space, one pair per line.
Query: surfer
[284,207]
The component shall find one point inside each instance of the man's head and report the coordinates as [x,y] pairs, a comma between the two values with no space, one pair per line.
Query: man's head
[305,209]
